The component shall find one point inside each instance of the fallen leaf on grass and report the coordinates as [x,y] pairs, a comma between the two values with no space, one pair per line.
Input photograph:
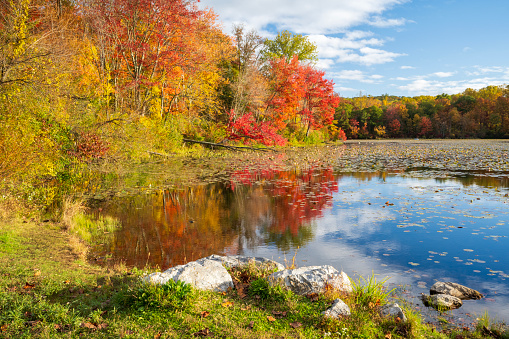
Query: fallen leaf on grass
[251,325]
[279,314]
[227,304]
[388,336]
[271,318]
[203,333]
[92,326]
[312,296]
[89,325]
[205,314]
[28,286]
[4,328]
[295,324]
[32,323]
[157,335]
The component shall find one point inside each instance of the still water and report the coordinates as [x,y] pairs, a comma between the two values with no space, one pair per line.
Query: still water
[414,229]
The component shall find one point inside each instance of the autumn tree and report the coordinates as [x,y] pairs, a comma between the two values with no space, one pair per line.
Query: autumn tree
[143,44]
[319,100]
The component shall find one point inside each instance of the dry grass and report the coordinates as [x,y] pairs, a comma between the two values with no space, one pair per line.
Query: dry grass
[71,208]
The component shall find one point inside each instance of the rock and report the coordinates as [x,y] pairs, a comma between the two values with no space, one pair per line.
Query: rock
[392,311]
[338,309]
[239,260]
[203,274]
[456,290]
[441,302]
[312,279]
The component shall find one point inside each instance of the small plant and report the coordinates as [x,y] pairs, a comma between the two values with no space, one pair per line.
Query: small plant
[172,295]
[262,289]
[369,293]
[252,271]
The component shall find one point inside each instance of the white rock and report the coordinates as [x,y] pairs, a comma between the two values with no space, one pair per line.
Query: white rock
[203,274]
[312,279]
[338,309]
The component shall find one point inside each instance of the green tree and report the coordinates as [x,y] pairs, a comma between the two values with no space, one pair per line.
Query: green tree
[286,45]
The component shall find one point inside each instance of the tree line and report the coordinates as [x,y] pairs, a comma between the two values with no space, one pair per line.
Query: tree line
[480,113]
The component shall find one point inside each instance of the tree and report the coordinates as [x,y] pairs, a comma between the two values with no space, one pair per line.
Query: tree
[287,45]
[20,50]
[319,101]
[425,127]
[145,40]
[286,89]
[247,87]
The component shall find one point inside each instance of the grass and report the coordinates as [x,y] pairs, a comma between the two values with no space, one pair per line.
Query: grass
[48,291]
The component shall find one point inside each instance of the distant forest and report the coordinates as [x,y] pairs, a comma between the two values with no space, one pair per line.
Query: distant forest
[480,113]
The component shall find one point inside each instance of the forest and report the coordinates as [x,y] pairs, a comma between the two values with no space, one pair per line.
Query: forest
[82,81]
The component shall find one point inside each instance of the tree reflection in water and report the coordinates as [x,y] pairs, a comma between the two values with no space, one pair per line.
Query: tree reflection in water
[256,207]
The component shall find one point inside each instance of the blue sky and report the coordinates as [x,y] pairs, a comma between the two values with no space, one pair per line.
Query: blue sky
[399,47]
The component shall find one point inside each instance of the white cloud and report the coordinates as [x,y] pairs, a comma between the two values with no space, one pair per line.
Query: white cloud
[356,75]
[325,63]
[434,87]
[300,16]
[330,47]
[407,67]
[382,23]
[353,47]
[443,74]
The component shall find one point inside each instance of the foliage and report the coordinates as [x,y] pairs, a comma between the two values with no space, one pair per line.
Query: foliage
[246,128]
[287,45]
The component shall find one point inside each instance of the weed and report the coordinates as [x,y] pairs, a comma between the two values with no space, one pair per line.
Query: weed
[369,293]
[262,289]
[172,295]
[252,271]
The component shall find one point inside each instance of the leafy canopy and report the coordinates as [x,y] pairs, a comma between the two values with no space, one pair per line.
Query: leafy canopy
[286,45]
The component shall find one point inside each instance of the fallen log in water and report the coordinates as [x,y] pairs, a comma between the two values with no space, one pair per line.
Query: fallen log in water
[233,148]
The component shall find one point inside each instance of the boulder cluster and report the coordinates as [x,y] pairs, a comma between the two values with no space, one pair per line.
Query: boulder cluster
[210,274]
[449,295]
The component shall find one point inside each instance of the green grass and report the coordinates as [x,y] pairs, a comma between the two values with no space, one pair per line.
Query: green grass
[46,291]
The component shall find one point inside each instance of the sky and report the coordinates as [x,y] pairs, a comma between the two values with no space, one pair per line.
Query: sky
[395,47]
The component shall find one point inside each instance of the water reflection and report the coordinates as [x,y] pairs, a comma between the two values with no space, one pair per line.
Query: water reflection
[172,227]
[415,230]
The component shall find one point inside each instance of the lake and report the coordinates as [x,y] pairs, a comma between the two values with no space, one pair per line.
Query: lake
[415,211]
